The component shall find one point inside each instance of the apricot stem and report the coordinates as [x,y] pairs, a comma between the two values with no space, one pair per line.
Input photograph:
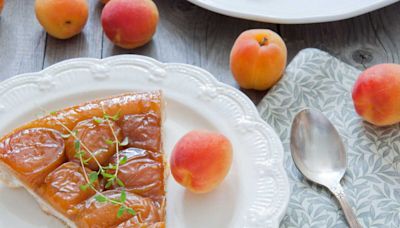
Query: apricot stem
[264,41]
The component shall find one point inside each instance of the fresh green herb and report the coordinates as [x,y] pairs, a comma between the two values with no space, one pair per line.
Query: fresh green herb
[100,198]
[93,177]
[77,145]
[124,142]
[112,178]
[120,183]
[109,184]
[65,136]
[131,211]
[98,120]
[86,161]
[84,187]
[121,211]
[123,160]
[123,196]
[109,142]
[114,117]
[117,144]
[79,155]
[110,167]
[107,175]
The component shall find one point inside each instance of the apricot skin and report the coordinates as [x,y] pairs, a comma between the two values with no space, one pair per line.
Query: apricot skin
[130,23]
[201,160]
[62,19]
[376,94]
[258,59]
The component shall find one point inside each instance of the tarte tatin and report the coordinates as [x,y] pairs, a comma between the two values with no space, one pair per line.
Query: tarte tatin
[99,164]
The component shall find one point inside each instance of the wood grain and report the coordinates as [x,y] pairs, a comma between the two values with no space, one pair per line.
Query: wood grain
[386,27]
[362,41]
[192,35]
[86,44]
[22,41]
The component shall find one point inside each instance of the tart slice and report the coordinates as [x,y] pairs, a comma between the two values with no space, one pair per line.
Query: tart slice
[99,164]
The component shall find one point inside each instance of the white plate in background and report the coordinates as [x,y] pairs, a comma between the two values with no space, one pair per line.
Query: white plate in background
[292,11]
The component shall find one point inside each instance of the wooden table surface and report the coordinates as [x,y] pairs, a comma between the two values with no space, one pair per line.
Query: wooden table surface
[189,34]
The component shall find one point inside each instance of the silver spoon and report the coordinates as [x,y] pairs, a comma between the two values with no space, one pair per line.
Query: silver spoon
[319,154]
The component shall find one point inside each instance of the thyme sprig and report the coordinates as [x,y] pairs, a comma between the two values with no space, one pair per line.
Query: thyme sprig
[111,178]
[116,141]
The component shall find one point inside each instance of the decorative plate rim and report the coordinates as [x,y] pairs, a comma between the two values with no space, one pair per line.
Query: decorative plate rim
[250,118]
[295,20]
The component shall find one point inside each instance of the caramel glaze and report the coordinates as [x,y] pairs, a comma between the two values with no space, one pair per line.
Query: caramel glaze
[142,173]
[61,188]
[94,136]
[39,156]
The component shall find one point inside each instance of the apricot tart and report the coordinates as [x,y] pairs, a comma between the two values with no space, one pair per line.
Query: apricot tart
[99,164]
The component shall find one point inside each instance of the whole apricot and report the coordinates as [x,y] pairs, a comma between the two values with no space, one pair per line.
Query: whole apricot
[200,160]
[62,19]
[258,59]
[130,23]
[376,94]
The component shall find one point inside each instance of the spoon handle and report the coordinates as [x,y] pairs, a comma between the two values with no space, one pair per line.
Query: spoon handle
[351,218]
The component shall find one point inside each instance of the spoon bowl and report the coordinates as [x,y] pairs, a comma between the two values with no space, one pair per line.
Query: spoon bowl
[317,148]
[319,154]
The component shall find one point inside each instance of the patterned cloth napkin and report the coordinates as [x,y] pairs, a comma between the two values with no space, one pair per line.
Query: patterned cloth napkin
[372,181]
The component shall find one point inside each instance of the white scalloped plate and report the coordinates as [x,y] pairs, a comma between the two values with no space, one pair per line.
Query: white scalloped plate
[292,11]
[254,194]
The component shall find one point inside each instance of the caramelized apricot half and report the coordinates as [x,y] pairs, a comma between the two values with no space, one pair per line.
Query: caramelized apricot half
[142,130]
[141,174]
[96,214]
[62,188]
[33,153]
[94,135]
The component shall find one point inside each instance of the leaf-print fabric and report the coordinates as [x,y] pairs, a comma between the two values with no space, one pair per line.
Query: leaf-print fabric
[372,181]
